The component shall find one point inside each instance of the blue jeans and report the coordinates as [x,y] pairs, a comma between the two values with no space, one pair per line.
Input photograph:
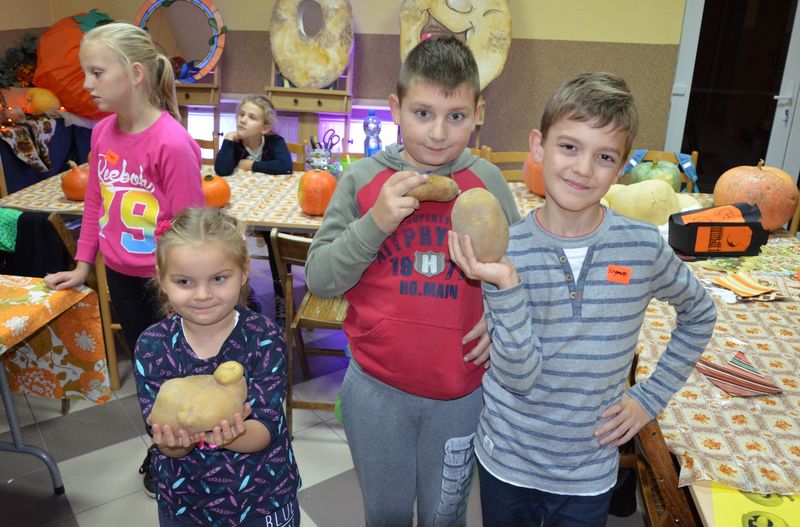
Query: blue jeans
[506,505]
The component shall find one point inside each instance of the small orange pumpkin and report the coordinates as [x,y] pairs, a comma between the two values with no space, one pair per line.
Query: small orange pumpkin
[74,181]
[772,189]
[216,190]
[532,175]
[314,191]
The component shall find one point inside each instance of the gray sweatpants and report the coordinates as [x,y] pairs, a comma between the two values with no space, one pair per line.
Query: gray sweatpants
[406,447]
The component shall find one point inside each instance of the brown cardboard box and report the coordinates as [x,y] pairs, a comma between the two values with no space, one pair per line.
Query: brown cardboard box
[727,230]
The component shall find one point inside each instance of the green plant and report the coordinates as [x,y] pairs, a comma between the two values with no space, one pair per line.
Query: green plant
[19,63]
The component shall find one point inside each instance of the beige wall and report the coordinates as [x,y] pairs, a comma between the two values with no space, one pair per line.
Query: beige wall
[637,39]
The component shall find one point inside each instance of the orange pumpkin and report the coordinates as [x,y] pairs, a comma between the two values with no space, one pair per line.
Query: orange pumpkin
[772,189]
[532,175]
[315,190]
[74,181]
[216,190]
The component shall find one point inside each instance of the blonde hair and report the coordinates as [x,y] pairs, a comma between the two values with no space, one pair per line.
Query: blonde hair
[133,44]
[596,98]
[264,104]
[195,226]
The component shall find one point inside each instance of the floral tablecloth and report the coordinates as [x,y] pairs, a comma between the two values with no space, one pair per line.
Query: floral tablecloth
[29,139]
[751,444]
[51,342]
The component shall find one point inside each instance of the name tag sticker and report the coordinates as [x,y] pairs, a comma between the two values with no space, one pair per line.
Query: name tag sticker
[112,157]
[619,274]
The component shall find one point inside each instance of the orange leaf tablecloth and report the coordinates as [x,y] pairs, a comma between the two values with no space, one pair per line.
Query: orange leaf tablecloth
[748,443]
[51,342]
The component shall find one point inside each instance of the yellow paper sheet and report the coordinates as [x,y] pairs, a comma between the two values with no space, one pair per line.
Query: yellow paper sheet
[734,508]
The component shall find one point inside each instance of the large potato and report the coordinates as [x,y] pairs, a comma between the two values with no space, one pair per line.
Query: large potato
[200,402]
[437,188]
[478,214]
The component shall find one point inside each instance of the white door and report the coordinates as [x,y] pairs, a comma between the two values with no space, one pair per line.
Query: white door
[736,124]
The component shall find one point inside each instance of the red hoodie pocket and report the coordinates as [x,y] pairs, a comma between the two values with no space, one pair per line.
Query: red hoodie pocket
[416,357]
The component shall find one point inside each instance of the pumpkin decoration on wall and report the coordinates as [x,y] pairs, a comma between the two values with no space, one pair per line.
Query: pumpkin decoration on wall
[771,189]
[483,25]
[311,61]
[314,191]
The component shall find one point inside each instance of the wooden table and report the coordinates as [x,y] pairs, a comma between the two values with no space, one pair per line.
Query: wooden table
[51,345]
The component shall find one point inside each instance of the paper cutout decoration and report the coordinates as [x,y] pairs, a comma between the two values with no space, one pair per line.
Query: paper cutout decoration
[739,377]
[742,284]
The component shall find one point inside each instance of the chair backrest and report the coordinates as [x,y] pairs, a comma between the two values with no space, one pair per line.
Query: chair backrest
[3,187]
[298,151]
[509,163]
[208,144]
[795,223]
[659,155]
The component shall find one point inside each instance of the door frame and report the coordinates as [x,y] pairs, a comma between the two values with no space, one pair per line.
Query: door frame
[785,130]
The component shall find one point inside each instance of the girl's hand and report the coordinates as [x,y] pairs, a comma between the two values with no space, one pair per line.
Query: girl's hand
[623,421]
[68,279]
[232,136]
[480,353]
[392,205]
[226,432]
[501,274]
[165,437]
[245,164]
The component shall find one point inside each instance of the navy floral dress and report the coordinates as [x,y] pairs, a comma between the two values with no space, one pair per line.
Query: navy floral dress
[214,486]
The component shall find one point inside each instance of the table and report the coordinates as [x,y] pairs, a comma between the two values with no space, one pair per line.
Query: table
[51,344]
[751,444]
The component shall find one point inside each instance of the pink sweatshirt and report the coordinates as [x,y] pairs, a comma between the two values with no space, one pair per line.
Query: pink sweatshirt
[135,181]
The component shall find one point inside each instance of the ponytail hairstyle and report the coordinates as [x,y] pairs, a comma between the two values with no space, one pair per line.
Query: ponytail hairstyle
[132,44]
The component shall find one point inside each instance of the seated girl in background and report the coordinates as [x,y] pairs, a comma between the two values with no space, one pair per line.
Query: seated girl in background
[254,146]
[241,473]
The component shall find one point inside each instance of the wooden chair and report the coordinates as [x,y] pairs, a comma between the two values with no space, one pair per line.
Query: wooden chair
[509,163]
[658,155]
[795,223]
[208,144]
[299,156]
[3,187]
[312,313]
[98,281]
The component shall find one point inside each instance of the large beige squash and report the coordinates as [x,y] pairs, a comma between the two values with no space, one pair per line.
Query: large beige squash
[200,402]
[311,61]
[478,214]
[652,200]
[484,25]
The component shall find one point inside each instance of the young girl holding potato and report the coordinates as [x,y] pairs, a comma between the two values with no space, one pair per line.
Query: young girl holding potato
[241,472]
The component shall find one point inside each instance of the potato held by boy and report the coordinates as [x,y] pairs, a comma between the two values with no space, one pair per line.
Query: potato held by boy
[200,402]
[437,188]
[478,213]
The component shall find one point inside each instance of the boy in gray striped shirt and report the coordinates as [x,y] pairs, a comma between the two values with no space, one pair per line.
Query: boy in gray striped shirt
[564,307]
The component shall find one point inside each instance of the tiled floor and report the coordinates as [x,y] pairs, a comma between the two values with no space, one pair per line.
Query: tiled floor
[99,450]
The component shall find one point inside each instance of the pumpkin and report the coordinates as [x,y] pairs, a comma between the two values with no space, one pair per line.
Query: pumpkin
[42,100]
[652,200]
[532,175]
[478,213]
[74,181]
[314,191]
[216,190]
[770,188]
[198,403]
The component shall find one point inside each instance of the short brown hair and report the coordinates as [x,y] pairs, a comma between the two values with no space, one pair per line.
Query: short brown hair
[446,63]
[597,98]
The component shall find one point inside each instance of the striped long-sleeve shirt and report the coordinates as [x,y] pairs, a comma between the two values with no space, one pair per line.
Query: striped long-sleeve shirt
[562,346]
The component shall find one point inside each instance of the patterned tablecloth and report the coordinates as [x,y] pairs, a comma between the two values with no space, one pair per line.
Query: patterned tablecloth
[51,342]
[751,444]
[260,200]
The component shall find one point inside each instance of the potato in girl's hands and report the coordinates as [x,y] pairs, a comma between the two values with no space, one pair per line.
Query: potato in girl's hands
[437,188]
[198,403]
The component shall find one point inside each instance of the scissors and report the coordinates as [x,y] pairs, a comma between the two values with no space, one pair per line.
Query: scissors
[330,139]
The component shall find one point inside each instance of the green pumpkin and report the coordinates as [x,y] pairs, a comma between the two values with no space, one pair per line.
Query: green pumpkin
[663,170]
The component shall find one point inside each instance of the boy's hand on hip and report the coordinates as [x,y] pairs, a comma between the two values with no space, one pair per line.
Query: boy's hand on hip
[625,419]
[392,205]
